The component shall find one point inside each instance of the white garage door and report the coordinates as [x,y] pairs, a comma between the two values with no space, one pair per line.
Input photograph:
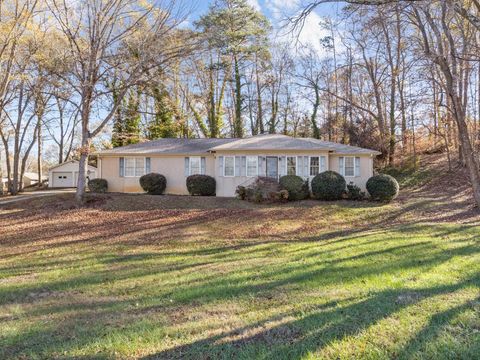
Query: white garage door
[62,179]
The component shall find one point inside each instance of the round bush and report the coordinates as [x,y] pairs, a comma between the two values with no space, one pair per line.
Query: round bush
[98,185]
[203,185]
[382,187]
[328,185]
[153,183]
[297,188]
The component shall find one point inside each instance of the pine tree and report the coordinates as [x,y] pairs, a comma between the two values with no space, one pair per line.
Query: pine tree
[163,123]
[132,119]
[238,30]
[126,126]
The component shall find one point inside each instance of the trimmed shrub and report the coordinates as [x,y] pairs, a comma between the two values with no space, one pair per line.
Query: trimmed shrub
[283,195]
[382,187]
[297,188]
[153,183]
[98,185]
[241,192]
[354,192]
[202,185]
[328,185]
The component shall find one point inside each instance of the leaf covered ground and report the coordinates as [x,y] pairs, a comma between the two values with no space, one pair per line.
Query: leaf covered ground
[137,276]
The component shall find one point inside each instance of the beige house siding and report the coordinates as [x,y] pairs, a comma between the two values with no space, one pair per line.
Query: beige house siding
[226,186]
[173,168]
[366,169]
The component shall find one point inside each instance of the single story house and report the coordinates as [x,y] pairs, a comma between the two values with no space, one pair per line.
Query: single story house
[232,162]
[65,175]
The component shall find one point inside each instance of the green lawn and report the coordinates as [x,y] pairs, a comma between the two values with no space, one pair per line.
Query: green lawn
[179,277]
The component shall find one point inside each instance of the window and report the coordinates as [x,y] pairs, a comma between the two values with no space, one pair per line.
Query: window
[252,165]
[291,165]
[349,166]
[130,167]
[139,167]
[314,165]
[229,166]
[134,167]
[195,165]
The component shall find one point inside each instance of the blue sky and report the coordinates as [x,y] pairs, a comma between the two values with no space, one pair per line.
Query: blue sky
[277,10]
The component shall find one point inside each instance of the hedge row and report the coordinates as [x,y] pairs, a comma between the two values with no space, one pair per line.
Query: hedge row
[327,185]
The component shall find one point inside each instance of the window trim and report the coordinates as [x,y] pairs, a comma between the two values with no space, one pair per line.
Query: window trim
[286,163]
[345,167]
[310,165]
[190,165]
[246,166]
[224,167]
[134,167]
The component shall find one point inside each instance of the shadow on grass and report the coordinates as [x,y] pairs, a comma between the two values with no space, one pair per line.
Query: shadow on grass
[82,323]
[297,338]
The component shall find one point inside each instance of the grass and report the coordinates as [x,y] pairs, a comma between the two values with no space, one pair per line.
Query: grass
[207,278]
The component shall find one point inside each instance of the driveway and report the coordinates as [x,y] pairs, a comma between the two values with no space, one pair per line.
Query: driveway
[32,195]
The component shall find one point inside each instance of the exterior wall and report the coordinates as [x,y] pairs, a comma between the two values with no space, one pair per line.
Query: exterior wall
[366,169]
[72,168]
[226,186]
[172,167]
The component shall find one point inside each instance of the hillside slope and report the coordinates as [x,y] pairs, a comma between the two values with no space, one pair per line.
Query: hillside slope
[436,194]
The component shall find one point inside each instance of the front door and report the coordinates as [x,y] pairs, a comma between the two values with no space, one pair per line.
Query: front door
[272,167]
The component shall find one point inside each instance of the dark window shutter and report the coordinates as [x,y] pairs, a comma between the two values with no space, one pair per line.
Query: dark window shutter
[203,165]
[147,166]
[220,166]
[187,166]
[341,168]
[122,167]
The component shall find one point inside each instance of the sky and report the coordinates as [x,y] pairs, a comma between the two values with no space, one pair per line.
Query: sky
[276,11]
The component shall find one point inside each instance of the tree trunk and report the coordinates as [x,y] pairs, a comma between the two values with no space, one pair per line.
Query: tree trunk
[85,145]
[39,155]
[313,119]
[237,125]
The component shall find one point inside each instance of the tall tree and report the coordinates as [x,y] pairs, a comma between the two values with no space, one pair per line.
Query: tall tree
[107,39]
[238,30]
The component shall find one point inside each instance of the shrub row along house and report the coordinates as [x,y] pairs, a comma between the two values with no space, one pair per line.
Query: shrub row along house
[232,162]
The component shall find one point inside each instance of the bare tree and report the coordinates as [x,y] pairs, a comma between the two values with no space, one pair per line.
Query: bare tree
[440,19]
[114,39]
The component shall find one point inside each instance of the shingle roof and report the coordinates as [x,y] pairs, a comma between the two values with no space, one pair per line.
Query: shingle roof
[169,146]
[259,142]
[283,142]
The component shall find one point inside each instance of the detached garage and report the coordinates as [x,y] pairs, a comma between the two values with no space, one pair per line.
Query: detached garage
[66,175]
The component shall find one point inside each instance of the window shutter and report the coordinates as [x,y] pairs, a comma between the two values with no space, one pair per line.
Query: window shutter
[357,166]
[122,167]
[147,166]
[299,166]
[281,166]
[203,165]
[306,165]
[243,171]
[238,164]
[187,166]
[261,167]
[220,166]
[323,164]
[341,168]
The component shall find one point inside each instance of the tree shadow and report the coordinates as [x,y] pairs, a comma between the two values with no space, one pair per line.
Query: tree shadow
[295,339]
